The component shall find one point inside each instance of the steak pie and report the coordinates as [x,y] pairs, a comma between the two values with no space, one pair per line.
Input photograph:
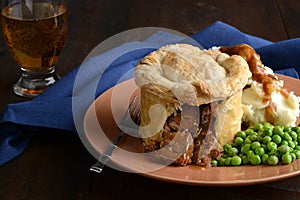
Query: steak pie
[190,102]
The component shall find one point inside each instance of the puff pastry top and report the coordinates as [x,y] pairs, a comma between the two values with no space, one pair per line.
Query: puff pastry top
[191,75]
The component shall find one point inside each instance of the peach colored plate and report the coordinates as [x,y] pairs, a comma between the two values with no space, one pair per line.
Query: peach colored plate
[100,128]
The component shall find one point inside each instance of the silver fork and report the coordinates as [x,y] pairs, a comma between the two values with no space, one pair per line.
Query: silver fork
[133,113]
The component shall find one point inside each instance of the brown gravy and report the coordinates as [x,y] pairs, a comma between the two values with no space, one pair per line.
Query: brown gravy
[268,81]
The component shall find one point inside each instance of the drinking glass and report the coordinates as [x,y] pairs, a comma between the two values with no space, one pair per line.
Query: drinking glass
[35,32]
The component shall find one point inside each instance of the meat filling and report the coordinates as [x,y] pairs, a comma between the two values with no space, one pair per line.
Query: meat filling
[186,137]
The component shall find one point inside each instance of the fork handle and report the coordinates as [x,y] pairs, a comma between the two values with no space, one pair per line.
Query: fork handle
[98,166]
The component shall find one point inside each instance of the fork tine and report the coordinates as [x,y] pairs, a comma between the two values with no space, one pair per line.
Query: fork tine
[131,104]
[135,115]
[136,110]
[138,117]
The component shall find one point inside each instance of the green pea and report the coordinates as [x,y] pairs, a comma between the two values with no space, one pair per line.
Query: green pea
[268,125]
[248,140]
[293,134]
[253,137]
[277,139]
[287,129]
[260,151]
[267,139]
[292,144]
[297,147]
[284,142]
[236,161]
[255,145]
[284,149]
[278,130]
[228,161]
[294,157]
[271,146]
[252,127]
[264,158]
[287,137]
[255,160]
[297,130]
[241,134]
[267,132]
[273,160]
[232,151]
[226,147]
[260,138]
[265,147]
[297,153]
[250,153]
[274,152]
[245,160]
[254,133]
[239,141]
[259,126]
[245,148]
[214,163]
[286,158]
[249,131]
[298,139]
[221,161]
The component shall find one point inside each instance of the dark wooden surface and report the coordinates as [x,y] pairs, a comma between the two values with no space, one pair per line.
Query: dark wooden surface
[55,165]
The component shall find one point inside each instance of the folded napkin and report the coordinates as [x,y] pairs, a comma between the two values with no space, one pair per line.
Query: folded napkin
[63,105]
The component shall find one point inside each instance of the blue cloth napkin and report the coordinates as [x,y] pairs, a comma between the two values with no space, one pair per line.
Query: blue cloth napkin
[54,108]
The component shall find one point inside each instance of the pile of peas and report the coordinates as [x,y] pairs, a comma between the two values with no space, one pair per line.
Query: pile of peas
[262,144]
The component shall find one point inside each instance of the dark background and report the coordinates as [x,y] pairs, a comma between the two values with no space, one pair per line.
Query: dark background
[55,165]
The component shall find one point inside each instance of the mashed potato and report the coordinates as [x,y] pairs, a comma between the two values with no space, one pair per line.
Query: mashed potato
[285,107]
[265,99]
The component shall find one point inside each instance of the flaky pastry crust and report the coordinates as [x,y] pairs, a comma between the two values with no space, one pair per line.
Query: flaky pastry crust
[180,74]
[191,75]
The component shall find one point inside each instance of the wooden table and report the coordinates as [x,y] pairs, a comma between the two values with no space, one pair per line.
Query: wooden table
[55,165]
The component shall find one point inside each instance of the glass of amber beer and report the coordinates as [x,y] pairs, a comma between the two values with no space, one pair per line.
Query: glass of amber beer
[35,31]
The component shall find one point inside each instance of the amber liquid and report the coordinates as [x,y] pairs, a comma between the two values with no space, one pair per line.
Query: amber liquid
[35,34]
